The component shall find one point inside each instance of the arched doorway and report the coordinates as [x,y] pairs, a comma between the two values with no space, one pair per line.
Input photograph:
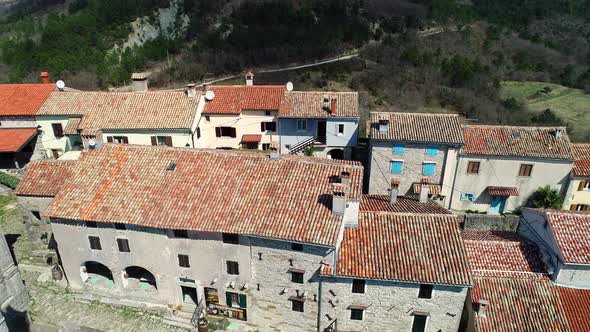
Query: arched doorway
[336,154]
[96,274]
[139,278]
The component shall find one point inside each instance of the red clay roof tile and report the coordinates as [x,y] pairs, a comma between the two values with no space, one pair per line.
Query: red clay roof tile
[575,303]
[418,127]
[403,204]
[14,139]
[310,104]
[23,99]
[233,99]
[582,156]
[45,177]
[571,230]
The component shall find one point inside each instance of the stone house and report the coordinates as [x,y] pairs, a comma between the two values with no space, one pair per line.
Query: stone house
[18,130]
[240,234]
[74,120]
[402,268]
[414,148]
[563,238]
[325,122]
[577,197]
[14,299]
[500,167]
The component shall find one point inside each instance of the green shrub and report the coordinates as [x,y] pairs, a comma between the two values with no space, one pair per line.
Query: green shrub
[8,180]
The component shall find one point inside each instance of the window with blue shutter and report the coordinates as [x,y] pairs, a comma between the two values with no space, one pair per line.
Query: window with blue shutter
[399,149]
[468,197]
[428,168]
[397,167]
[432,151]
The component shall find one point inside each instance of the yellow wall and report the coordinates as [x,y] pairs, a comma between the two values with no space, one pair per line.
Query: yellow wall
[574,196]
[248,122]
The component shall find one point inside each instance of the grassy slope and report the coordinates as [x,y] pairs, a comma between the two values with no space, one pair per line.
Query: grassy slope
[572,105]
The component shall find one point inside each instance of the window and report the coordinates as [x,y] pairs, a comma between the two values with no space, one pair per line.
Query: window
[432,151]
[579,207]
[428,168]
[36,214]
[198,132]
[183,261]
[118,139]
[265,146]
[296,246]
[425,292]
[340,129]
[268,126]
[162,140]
[207,118]
[419,324]
[225,132]
[399,149]
[58,130]
[525,170]
[233,268]
[473,167]
[301,125]
[356,314]
[358,286]
[230,238]
[181,233]
[94,243]
[91,224]
[468,197]
[397,167]
[123,245]
[235,300]
[297,305]
[267,113]
[297,277]
[120,227]
[584,185]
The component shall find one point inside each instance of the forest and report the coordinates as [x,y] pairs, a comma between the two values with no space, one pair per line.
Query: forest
[461,67]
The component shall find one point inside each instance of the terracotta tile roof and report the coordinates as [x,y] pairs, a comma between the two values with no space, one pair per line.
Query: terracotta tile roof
[233,99]
[582,156]
[45,177]
[209,190]
[326,270]
[418,127]
[72,126]
[502,191]
[433,189]
[310,104]
[571,230]
[405,247]
[532,142]
[403,204]
[125,110]
[251,138]
[14,139]
[496,251]
[575,303]
[23,99]
[518,305]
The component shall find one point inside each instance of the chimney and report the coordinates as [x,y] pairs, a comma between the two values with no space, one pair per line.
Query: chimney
[345,178]
[482,308]
[191,90]
[326,103]
[333,107]
[338,199]
[424,190]
[557,132]
[140,82]
[249,77]
[383,126]
[45,79]
[394,191]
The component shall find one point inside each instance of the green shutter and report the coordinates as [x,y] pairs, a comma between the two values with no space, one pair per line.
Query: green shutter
[228,299]
[242,301]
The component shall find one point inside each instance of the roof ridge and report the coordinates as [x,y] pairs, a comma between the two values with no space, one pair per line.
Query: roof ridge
[419,113]
[509,126]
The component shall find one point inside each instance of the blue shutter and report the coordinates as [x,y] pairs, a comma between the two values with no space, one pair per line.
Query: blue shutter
[428,169]
[398,149]
[397,167]
[432,151]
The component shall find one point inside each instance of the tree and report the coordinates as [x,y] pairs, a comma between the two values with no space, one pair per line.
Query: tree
[547,198]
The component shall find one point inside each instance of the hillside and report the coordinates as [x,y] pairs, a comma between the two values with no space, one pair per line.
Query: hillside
[413,54]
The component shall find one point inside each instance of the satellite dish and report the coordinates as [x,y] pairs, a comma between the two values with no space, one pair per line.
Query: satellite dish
[209,95]
[60,84]
[92,144]
[289,86]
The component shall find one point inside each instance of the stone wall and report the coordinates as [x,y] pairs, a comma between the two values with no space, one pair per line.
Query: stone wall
[389,306]
[39,230]
[13,294]
[490,222]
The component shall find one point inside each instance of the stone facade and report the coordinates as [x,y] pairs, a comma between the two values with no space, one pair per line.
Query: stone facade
[389,306]
[413,157]
[13,294]
[38,228]
[17,122]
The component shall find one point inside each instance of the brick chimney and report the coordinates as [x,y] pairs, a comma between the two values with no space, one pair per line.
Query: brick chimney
[394,191]
[345,178]
[424,190]
[249,77]
[338,199]
[333,107]
[482,308]
[45,79]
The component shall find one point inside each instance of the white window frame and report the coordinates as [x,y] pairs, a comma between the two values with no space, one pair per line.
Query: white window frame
[586,186]
[425,325]
[340,125]
[301,121]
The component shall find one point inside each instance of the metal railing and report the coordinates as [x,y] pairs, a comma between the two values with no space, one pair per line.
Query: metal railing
[302,145]
[197,314]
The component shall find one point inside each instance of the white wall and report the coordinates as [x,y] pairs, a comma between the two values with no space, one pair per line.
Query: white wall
[180,138]
[17,122]
[49,140]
